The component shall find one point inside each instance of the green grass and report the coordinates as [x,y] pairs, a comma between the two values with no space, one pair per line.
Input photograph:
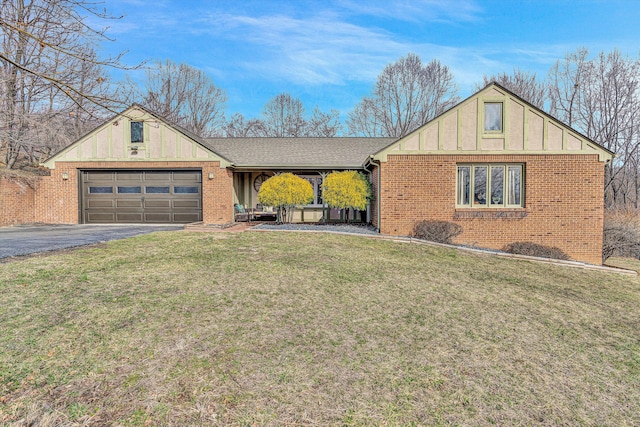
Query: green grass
[310,329]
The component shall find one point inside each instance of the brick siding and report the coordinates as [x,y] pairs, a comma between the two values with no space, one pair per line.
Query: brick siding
[17,201]
[57,200]
[564,201]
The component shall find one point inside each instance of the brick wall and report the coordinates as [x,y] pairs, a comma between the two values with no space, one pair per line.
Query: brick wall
[57,200]
[17,200]
[563,201]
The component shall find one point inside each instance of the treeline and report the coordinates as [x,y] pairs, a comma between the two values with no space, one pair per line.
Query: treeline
[54,87]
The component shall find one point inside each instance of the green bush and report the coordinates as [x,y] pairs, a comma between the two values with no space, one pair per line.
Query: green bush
[436,231]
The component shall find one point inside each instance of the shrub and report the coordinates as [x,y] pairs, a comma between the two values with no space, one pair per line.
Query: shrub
[346,190]
[534,249]
[436,231]
[285,192]
[621,234]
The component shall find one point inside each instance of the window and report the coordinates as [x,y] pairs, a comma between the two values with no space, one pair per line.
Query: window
[129,190]
[185,190]
[489,186]
[316,183]
[493,116]
[136,132]
[156,190]
[101,190]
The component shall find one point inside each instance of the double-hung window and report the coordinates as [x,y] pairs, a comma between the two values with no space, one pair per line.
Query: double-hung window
[490,186]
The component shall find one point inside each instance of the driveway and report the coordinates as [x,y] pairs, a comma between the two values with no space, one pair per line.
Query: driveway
[26,240]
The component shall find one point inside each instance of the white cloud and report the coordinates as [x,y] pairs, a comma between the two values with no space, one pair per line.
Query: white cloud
[325,49]
[318,50]
[451,11]
[344,42]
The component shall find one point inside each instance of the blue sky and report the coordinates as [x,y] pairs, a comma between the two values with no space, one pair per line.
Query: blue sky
[328,53]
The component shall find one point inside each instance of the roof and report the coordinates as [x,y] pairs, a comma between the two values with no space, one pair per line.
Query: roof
[297,153]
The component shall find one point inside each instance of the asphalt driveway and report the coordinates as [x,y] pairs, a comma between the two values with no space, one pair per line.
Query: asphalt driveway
[26,240]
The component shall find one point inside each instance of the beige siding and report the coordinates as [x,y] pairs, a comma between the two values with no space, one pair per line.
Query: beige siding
[516,126]
[102,144]
[555,137]
[86,148]
[450,137]
[117,138]
[171,143]
[536,132]
[431,137]
[573,143]
[155,141]
[470,126]
[185,148]
[111,142]
[526,130]
[412,143]
[493,144]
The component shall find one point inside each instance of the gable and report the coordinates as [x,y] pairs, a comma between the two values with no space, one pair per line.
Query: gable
[524,129]
[112,142]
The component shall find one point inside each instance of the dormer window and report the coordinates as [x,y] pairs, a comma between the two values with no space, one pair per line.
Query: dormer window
[493,116]
[137,132]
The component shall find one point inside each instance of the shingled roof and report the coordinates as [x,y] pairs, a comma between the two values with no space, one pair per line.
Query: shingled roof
[297,153]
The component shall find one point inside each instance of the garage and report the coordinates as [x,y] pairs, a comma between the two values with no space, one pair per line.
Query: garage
[141,196]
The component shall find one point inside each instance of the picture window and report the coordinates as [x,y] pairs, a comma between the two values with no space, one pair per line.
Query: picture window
[489,186]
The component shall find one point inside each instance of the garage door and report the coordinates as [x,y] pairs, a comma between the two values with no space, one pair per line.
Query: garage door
[141,196]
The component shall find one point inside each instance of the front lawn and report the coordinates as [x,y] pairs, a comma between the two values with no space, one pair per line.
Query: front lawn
[182,328]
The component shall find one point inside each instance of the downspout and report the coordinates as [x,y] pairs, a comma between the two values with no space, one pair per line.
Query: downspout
[370,161]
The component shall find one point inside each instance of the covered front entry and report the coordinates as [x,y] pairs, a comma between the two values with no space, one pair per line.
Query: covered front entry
[141,196]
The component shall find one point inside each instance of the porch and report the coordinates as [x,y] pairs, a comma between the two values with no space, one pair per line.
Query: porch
[246,185]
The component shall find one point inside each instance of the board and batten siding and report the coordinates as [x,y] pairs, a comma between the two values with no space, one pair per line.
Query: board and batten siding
[525,130]
[112,142]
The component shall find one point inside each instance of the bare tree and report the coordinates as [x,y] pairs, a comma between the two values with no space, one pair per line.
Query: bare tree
[185,96]
[407,94]
[239,127]
[49,69]
[364,120]
[324,124]
[601,98]
[565,78]
[522,83]
[283,116]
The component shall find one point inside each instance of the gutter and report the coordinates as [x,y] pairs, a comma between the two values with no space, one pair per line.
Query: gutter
[296,167]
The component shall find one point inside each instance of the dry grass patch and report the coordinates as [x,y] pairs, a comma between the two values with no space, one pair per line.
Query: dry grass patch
[308,329]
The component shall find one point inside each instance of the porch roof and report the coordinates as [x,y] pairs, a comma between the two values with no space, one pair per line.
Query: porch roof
[297,153]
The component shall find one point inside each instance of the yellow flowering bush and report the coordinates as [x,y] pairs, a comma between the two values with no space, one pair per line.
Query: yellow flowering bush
[285,192]
[346,190]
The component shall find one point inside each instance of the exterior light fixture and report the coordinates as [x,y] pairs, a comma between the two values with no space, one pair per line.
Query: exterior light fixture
[65,175]
[210,175]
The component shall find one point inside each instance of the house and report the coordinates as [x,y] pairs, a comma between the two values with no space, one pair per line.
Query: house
[498,166]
